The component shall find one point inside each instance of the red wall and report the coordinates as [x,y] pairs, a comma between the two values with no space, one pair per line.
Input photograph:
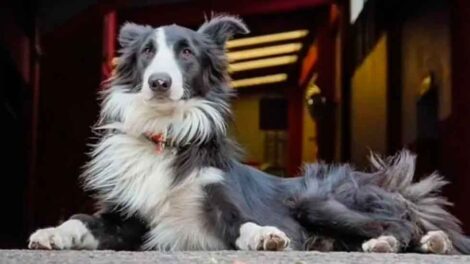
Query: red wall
[70,76]
[456,142]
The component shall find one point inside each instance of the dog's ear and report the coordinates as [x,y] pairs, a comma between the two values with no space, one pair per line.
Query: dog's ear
[222,28]
[130,32]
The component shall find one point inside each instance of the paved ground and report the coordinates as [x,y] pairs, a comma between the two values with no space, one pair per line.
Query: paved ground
[219,257]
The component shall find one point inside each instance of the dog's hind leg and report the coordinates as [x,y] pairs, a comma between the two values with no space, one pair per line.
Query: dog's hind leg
[104,231]
[434,242]
[328,216]
[381,233]
[382,244]
[397,236]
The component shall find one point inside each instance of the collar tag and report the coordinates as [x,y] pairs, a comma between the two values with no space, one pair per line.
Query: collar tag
[159,141]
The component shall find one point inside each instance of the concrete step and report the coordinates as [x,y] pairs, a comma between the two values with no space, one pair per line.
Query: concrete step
[218,257]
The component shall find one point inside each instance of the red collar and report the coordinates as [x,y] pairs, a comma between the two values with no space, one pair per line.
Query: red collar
[159,140]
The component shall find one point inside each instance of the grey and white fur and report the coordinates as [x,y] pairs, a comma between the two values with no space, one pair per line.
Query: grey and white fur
[194,194]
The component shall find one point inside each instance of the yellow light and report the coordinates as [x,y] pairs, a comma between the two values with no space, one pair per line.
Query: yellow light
[262,63]
[296,34]
[264,52]
[274,78]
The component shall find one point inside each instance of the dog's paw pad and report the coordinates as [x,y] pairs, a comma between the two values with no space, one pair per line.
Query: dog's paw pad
[436,242]
[273,242]
[382,244]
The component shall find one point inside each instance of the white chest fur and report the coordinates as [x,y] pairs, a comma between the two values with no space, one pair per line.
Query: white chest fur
[128,171]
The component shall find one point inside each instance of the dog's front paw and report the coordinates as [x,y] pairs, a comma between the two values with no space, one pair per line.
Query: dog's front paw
[272,239]
[50,238]
[382,244]
[255,237]
[72,234]
[436,242]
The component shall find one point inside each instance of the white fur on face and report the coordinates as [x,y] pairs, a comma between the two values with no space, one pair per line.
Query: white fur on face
[164,61]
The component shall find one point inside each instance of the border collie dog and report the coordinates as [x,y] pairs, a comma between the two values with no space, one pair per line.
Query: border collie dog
[167,176]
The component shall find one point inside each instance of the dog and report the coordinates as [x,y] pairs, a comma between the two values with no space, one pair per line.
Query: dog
[167,177]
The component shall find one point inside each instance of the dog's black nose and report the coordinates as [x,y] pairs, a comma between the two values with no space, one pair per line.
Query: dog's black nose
[159,82]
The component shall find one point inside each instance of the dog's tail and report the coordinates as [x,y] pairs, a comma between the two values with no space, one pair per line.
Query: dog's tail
[423,197]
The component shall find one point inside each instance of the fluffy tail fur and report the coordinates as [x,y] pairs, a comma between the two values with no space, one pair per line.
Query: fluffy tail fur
[423,197]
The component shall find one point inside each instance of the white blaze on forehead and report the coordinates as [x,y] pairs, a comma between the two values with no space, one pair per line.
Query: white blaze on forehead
[164,61]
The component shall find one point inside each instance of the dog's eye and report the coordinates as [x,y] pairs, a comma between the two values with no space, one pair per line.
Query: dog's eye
[186,53]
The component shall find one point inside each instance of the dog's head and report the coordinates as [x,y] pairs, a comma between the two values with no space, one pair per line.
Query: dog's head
[172,63]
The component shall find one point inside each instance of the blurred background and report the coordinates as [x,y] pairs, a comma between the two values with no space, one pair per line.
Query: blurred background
[316,80]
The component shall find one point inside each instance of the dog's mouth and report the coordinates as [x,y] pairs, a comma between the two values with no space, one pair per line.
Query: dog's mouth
[163,104]
[161,98]
[158,98]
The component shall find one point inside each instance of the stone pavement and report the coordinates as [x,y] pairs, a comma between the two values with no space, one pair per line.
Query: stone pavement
[218,257]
